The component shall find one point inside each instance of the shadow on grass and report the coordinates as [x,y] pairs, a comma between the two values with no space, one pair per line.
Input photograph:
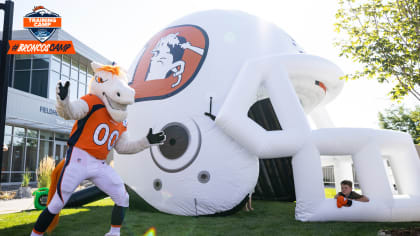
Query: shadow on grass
[268,218]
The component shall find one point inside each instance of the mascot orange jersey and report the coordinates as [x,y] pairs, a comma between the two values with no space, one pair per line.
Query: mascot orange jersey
[97,132]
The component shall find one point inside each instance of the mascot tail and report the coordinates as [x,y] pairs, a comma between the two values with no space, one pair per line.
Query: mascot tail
[55,176]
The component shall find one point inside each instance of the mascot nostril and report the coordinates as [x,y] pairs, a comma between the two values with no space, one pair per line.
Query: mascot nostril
[118,94]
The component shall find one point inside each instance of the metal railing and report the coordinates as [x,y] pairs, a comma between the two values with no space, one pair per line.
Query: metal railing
[328,176]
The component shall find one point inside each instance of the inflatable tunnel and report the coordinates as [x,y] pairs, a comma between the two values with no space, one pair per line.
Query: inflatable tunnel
[275,180]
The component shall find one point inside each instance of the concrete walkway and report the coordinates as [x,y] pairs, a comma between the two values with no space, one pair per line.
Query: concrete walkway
[16,205]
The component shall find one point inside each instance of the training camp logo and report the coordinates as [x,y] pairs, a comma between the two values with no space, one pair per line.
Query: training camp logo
[42,24]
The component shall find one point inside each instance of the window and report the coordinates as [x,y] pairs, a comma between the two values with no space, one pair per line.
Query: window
[40,82]
[5,174]
[82,80]
[65,67]
[61,137]
[8,130]
[54,78]
[89,75]
[41,63]
[25,150]
[74,74]
[74,64]
[45,149]
[6,158]
[74,69]
[31,154]
[23,56]
[23,64]
[83,68]
[31,73]
[21,80]
[41,56]
[73,90]
[65,72]
[18,154]
[82,90]
[31,133]
[55,64]
[46,135]
[89,78]
[82,73]
[18,131]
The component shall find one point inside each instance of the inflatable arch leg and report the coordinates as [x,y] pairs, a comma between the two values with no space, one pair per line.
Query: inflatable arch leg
[367,148]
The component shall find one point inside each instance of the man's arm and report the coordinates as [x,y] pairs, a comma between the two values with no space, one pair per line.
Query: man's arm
[363,198]
[357,197]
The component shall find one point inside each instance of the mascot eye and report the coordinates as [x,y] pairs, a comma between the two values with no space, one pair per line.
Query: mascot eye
[100,79]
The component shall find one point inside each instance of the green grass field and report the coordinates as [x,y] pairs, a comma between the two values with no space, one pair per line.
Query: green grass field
[268,218]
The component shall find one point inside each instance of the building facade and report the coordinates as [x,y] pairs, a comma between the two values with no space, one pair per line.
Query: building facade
[33,128]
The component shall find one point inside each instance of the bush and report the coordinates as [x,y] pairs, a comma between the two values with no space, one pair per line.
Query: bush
[26,179]
[46,166]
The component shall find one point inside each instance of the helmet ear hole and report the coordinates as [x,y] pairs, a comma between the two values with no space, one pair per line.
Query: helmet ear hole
[181,147]
[177,141]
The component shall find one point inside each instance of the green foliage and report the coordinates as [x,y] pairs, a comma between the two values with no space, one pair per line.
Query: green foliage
[26,178]
[46,167]
[383,36]
[402,119]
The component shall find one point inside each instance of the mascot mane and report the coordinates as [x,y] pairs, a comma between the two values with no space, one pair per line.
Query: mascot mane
[115,70]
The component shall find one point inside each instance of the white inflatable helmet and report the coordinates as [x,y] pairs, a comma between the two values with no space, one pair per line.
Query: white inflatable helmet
[189,69]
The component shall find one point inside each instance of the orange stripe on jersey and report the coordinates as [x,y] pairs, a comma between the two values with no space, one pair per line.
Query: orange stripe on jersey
[96,133]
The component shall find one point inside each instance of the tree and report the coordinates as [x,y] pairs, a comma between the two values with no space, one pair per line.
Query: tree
[402,119]
[384,37]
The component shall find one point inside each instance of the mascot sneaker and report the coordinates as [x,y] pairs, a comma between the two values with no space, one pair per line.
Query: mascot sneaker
[112,234]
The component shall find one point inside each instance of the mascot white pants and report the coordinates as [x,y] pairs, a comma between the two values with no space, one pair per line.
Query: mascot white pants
[83,166]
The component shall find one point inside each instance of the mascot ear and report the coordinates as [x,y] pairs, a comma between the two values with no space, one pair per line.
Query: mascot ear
[95,66]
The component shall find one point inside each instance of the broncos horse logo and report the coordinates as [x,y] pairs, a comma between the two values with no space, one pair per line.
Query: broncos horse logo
[170,61]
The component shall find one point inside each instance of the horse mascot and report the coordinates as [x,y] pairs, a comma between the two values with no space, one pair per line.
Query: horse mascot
[100,126]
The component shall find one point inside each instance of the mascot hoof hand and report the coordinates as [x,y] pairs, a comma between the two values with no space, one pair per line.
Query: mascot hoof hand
[63,91]
[157,138]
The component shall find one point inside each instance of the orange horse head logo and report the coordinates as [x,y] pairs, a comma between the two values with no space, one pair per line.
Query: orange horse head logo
[170,62]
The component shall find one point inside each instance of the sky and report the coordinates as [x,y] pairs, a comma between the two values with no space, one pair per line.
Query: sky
[119,29]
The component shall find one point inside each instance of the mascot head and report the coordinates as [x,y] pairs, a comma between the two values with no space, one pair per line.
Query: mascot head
[110,84]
